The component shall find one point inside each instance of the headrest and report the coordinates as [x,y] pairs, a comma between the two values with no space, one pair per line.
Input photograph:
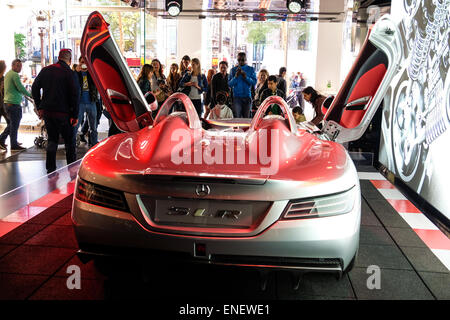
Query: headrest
[274,116]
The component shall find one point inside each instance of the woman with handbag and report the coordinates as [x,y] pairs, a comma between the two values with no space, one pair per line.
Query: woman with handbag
[158,83]
[193,84]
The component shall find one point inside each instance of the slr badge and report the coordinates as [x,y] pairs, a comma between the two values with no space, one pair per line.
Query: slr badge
[229,214]
[178,211]
[202,190]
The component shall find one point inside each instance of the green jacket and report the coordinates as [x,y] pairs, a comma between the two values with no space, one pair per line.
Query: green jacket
[14,89]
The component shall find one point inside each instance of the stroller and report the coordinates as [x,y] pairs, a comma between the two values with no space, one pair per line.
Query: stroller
[41,141]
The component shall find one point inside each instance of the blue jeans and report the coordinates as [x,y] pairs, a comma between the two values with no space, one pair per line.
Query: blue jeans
[91,110]
[241,107]
[14,112]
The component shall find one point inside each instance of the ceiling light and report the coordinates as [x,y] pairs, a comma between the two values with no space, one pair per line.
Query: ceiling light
[294,6]
[174,7]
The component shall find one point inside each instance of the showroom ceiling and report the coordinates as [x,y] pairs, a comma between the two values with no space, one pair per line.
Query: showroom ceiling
[244,9]
[233,5]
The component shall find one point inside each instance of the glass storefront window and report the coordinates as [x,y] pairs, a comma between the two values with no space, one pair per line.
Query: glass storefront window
[144,35]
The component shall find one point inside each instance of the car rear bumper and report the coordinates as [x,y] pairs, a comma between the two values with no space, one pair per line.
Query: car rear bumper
[322,244]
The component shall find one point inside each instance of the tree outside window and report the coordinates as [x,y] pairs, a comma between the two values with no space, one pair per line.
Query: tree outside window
[19,43]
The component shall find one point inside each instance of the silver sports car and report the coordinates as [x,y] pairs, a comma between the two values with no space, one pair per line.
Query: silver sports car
[262,192]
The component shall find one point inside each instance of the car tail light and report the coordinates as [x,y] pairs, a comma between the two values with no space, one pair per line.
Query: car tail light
[100,196]
[324,206]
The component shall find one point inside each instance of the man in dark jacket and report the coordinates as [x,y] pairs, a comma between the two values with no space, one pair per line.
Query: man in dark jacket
[281,80]
[58,106]
[219,83]
[88,102]
[272,90]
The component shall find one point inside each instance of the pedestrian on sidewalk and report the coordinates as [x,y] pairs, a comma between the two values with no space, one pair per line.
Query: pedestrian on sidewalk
[58,106]
[14,90]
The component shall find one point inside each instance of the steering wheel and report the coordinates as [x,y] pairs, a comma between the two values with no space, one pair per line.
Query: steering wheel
[284,108]
[194,121]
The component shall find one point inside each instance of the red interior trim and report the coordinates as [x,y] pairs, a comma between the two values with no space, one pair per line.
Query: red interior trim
[110,79]
[367,85]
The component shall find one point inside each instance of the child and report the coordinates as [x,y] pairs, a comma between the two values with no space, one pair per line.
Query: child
[298,115]
[221,110]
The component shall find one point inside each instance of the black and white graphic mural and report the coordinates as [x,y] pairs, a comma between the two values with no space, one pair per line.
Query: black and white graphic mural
[415,142]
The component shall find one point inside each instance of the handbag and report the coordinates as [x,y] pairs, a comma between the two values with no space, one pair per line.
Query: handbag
[160,96]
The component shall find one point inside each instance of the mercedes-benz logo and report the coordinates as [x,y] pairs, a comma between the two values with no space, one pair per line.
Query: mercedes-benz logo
[202,190]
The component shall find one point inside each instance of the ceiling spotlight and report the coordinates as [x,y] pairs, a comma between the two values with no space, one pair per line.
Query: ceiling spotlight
[294,6]
[174,7]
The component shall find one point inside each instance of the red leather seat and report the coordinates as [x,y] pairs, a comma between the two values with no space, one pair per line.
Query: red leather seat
[365,84]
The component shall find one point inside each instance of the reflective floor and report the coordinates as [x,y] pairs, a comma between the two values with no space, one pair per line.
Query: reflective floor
[37,245]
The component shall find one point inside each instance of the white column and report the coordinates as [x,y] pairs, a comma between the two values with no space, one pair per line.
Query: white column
[329,48]
[7,18]
[189,40]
